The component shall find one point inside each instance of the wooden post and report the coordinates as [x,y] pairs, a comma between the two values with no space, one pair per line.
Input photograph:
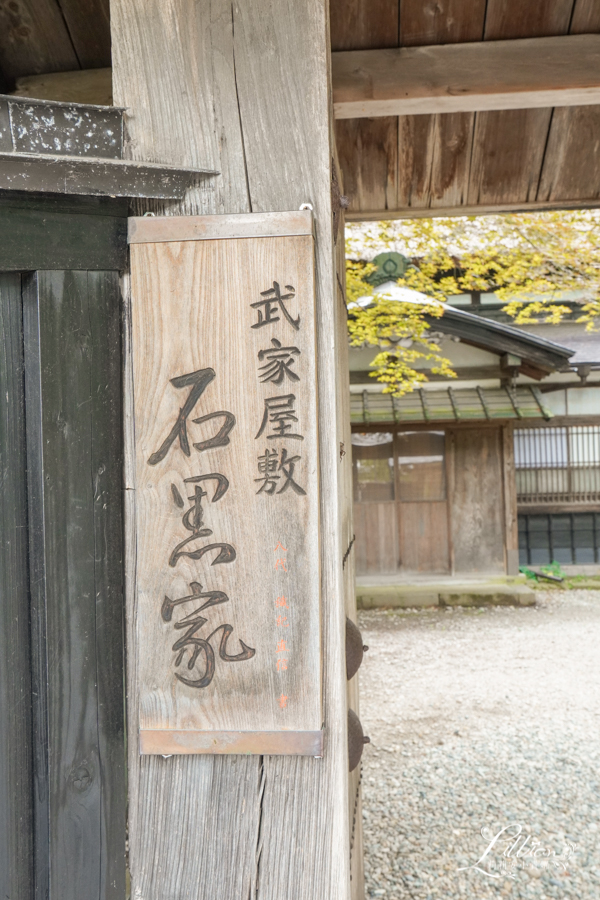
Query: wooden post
[245,87]
[511,522]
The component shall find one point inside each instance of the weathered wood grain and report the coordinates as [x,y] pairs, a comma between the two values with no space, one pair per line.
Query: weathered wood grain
[152,230]
[464,77]
[278,75]
[377,547]
[81,86]
[172,800]
[509,146]
[511,525]
[192,312]
[368,157]
[505,19]
[358,24]
[417,140]
[72,364]
[296,36]
[16,800]
[434,155]
[348,540]
[585,18]
[423,533]
[34,38]
[204,125]
[571,168]
[445,22]
[188,791]
[508,150]
[88,22]
[476,501]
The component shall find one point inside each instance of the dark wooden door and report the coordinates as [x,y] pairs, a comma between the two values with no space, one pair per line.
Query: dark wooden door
[16,788]
[62,750]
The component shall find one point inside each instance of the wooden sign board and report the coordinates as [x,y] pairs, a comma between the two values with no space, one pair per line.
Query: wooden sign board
[227,484]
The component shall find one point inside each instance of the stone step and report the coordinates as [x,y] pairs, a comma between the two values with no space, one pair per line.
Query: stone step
[410,596]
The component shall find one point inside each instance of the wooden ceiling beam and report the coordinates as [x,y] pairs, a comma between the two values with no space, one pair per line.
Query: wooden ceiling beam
[483,209]
[511,74]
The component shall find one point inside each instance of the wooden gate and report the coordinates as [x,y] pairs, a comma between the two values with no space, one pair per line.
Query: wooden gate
[62,754]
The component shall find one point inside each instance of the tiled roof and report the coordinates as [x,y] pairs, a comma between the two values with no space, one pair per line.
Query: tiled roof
[450,404]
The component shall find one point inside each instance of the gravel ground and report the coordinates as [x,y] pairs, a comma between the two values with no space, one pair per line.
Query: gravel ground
[483,719]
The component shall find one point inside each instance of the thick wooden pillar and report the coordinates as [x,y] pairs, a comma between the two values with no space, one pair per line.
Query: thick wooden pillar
[511,520]
[244,88]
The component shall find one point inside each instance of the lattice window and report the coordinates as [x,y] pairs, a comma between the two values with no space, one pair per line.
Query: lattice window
[567,538]
[557,465]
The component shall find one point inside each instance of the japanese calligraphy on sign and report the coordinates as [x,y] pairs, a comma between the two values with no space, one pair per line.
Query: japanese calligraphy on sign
[226,489]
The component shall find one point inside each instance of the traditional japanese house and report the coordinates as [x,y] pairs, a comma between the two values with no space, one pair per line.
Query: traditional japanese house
[160,161]
[456,476]
[557,461]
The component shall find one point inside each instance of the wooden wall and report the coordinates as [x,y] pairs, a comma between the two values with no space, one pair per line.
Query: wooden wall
[423,528]
[480,160]
[377,550]
[474,531]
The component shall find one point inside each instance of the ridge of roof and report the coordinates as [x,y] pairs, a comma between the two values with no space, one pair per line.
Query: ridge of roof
[481,331]
[500,328]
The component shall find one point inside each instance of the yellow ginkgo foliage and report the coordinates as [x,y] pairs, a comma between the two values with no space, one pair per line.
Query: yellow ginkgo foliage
[531,261]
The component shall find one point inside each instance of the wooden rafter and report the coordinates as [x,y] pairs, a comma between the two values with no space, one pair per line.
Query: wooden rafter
[491,75]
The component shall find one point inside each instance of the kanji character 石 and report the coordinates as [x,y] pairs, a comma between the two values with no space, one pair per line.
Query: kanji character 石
[198,382]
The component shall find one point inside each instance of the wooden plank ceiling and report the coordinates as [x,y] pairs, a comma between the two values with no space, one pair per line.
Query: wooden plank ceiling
[394,165]
[468,161]
[41,36]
